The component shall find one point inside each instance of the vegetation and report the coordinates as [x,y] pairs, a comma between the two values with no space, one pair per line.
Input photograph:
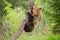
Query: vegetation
[12,13]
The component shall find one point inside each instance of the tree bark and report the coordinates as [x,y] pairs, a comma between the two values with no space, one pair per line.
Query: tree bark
[18,33]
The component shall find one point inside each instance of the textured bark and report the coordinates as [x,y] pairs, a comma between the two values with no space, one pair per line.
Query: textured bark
[18,33]
[24,22]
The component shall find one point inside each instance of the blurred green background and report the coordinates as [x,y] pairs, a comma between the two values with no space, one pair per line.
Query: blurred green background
[13,12]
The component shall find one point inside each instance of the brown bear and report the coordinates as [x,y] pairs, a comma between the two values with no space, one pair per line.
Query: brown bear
[33,15]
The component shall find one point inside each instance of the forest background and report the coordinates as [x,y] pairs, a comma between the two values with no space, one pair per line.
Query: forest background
[12,12]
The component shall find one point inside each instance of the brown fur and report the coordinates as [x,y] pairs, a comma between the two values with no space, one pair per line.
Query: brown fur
[32,18]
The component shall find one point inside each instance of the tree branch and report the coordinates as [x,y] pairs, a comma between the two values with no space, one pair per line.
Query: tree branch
[18,33]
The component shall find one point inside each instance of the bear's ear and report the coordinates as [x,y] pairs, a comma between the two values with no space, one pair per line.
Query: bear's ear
[39,8]
[34,6]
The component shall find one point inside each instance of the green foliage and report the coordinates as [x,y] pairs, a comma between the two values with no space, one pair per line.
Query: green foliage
[2,5]
[2,11]
[12,13]
[16,3]
[51,11]
[54,37]
[13,19]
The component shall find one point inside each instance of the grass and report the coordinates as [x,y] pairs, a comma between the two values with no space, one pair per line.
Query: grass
[15,18]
